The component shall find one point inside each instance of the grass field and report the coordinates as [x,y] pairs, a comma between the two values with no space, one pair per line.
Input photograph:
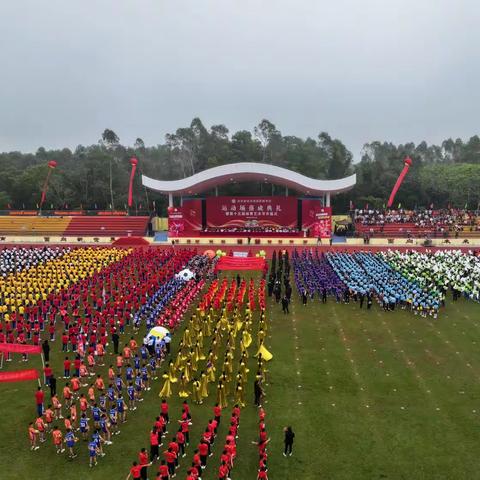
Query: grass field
[370,395]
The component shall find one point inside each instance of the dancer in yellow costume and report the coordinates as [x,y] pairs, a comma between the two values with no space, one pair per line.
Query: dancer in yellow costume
[203,385]
[221,396]
[183,387]
[240,395]
[196,388]
[166,390]
[172,372]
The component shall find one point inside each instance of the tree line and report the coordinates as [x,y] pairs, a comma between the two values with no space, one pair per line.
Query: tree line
[96,176]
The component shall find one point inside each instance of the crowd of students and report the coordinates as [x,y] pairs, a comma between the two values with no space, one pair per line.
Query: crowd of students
[422,218]
[89,313]
[411,280]
[87,301]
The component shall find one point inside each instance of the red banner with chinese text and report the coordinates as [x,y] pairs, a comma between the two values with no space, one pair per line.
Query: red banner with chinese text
[251,212]
[316,219]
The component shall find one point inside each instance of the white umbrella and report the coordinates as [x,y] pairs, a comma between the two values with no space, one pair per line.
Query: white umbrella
[185,274]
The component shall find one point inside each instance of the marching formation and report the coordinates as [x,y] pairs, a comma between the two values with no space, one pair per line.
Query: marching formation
[411,280]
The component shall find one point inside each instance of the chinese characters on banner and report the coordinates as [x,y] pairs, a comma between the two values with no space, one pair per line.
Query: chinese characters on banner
[176,224]
[317,220]
[185,220]
[250,212]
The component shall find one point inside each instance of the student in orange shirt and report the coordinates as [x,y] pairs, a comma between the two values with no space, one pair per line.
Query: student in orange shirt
[111,374]
[57,407]
[99,383]
[91,362]
[119,363]
[83,403]
[58,439]
[91,393]
[67,395]
[32,436]
[83,371]
[75,382]
[127,352]
[49,414]
[100,351]
[40,426]
[73,414]
[68,422]
[133,345]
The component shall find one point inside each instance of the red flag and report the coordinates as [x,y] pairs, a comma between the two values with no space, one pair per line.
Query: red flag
[133,163]
[19,375]
[20,348]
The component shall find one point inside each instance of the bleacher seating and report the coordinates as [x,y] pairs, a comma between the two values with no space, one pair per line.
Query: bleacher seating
[403,230]
[18,225]
[107,226]
[89,226]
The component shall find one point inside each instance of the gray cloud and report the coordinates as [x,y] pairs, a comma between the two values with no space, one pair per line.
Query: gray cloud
[398,70]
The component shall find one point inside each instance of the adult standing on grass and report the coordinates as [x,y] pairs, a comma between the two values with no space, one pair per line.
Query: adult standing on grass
[289,436]
[115,341]
[46,350]
[52,382]
[39,398]
[285,304]
[304,297]
[258,392]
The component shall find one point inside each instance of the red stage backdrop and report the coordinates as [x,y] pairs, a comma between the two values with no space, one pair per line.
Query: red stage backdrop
[185,220]
[316,218]
[176,223]
[250,212]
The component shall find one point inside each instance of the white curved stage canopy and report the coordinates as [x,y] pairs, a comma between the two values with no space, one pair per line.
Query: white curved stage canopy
[248,172]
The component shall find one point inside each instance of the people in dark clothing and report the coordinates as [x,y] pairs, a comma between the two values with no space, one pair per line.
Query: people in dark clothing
[53,385]
[46,350]
[115,341]
[289,436]
[324,295]
[238,280]
[288,291]
[258,391]
[304,297]
[285,303]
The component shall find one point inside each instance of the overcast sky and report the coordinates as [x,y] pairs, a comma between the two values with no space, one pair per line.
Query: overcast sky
[397,70]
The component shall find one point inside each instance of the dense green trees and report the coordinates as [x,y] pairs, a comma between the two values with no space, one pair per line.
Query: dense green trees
[96,176]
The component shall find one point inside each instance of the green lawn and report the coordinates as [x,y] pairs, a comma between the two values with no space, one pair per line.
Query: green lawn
[369,395]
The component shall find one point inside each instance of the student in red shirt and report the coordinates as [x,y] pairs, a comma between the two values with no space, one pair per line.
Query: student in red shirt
[164,411]
[175,448]
[217,412]
[47,371]
[197,463]
[66,368]
[203,451]
[262,474]
[181,441]
[135,471]
[170,457]
[143,462]
[39,397]
[223,471]
[163,471]
[154,441]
